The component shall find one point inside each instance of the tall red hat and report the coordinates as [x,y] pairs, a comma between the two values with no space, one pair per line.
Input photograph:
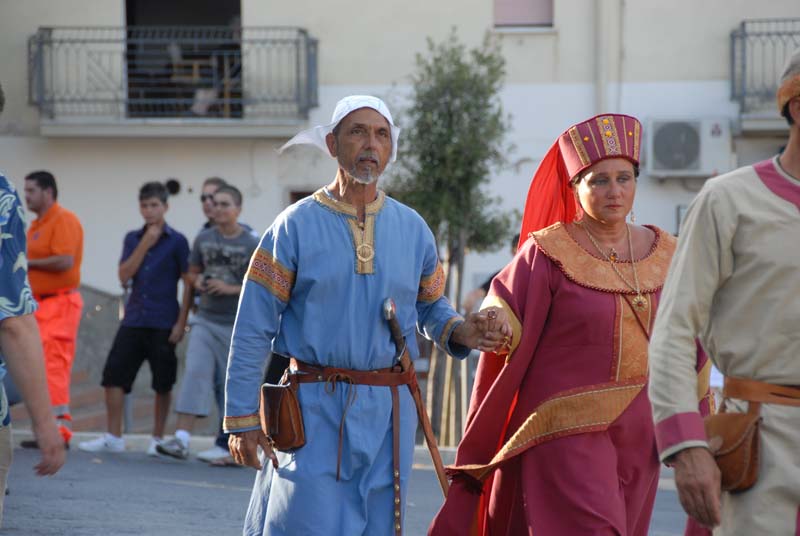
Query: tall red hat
[550,197]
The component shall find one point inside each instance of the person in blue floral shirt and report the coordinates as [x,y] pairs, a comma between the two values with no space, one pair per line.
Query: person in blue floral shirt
[20,343]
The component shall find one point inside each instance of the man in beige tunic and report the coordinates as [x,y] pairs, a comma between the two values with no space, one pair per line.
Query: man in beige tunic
[734,282]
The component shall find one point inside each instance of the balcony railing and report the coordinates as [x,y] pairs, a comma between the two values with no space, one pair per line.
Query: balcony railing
[223,74]
[759,50]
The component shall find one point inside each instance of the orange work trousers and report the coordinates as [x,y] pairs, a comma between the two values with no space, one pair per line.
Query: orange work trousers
[58,317]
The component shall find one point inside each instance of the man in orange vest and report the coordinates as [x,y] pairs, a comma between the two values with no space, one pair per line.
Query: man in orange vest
[55,250]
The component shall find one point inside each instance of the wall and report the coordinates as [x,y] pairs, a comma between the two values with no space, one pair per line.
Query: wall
[20,20]
[646,58]
[99,180]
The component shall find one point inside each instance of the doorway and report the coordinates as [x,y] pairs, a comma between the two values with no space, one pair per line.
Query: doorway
[184,58]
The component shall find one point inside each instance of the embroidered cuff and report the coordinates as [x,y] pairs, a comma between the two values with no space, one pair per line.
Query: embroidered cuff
[678,432]
[241,424]
[516,326]
[454,349]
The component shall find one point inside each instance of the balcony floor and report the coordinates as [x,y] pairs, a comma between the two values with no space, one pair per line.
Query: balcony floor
[170,127]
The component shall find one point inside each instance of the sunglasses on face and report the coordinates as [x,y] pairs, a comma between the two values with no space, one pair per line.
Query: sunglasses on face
[206,197]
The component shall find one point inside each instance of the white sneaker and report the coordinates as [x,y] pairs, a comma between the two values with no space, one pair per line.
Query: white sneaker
[173,447]
[213,454]
[151,449]
[104,443]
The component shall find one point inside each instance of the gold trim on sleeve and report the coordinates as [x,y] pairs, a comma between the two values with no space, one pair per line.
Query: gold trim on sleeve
[237,423]
[516,326]
[268,272]
[446,331]
[431,287]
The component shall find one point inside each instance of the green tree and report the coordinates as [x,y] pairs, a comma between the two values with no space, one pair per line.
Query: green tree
[453,139]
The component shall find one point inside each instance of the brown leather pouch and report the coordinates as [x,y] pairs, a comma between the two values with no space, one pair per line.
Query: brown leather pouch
[281,418]
[733,439]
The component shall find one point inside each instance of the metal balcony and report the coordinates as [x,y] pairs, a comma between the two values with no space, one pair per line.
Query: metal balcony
[172,80]
[759,50]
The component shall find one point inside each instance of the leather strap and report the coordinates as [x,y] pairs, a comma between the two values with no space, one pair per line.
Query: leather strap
[392,377]
[386,377]
[398,521]
[427,431]
[756,391]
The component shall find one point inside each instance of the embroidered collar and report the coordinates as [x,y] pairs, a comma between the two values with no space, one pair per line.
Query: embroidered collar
[583,268]
[363,235]
[324,198]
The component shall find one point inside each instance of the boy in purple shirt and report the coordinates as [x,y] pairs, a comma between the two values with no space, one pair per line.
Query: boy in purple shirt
[154,258]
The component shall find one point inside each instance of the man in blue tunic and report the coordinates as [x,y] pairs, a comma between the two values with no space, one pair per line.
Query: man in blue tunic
[314,291]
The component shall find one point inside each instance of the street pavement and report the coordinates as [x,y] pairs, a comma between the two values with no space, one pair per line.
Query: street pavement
[133,494]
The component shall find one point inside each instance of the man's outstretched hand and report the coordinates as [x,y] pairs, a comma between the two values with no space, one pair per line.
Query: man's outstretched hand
[487,330]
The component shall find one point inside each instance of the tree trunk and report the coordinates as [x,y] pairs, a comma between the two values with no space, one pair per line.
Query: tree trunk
[445,388]
[464,363]
[436,372]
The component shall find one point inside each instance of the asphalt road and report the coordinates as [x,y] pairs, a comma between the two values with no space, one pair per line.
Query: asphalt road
[132,494]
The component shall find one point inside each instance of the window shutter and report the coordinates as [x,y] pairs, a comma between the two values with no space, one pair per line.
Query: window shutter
[523,12]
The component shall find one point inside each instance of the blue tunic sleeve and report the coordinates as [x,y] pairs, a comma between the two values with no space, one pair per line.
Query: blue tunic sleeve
[436,317]
[266,292]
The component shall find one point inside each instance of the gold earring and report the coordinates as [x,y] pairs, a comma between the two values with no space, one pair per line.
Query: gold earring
[633,217]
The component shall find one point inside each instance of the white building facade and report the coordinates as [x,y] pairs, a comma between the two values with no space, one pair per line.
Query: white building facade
[81,78]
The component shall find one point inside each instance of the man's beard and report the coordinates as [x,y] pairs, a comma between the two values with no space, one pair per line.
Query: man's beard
[367,176]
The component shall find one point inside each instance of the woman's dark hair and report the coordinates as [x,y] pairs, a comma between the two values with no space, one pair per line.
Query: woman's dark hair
[44,180]
[153,189]
[785,113]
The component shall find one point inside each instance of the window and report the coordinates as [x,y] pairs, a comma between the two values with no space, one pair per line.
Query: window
[184,58]
[297,195]
[510,13]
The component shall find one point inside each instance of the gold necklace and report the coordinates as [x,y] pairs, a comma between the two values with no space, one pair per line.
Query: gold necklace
[639,301]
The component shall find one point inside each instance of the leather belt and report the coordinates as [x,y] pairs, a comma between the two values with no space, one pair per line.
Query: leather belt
[756,391]
[386,377]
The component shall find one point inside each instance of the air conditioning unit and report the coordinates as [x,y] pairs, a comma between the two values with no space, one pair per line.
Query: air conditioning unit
[688,148]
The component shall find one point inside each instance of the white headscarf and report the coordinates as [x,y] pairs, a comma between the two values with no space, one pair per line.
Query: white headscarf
[316,135]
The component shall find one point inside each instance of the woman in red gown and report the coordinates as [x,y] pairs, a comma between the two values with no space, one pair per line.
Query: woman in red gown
[559,437]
